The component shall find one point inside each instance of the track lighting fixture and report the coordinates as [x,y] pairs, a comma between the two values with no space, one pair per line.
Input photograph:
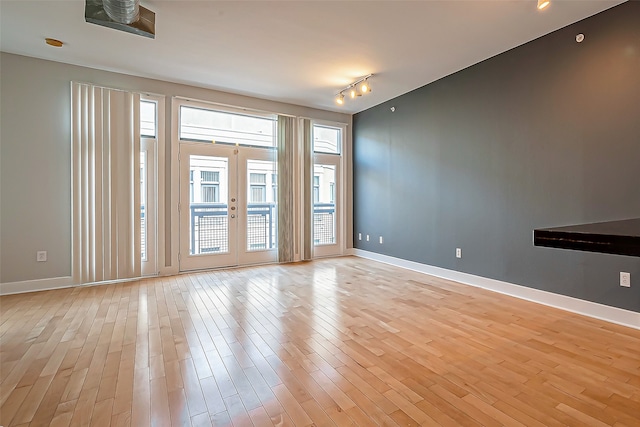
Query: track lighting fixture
[542,4]
[364,87]
[355,89]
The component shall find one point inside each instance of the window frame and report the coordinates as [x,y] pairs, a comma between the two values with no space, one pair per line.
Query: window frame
[340,186]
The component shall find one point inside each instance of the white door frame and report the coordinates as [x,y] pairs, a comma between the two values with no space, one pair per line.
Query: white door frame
[154,209]
[337,160]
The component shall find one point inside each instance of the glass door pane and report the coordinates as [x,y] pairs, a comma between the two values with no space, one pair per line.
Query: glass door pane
[261,205]
[148,206]
[143,203]
[207,207]
[324,204]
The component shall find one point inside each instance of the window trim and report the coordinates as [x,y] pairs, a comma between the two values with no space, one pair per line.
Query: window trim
[341,187]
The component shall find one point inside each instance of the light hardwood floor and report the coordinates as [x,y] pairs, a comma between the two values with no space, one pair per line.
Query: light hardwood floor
[333,342]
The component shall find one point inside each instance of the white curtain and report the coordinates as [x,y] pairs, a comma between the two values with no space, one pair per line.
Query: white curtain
[286,140]
[307,142]
[105,184]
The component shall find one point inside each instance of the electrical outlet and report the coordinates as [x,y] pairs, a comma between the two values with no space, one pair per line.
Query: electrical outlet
[381,240]
[359,236]
[367,237]
[458,253]
[625,279]
[41,256]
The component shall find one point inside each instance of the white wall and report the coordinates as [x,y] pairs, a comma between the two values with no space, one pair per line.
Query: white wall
[35,136]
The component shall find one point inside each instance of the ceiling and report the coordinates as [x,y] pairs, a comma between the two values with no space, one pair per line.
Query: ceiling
[300,52]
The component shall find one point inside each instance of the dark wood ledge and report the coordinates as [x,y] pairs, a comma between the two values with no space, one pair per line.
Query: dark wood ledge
[612,237]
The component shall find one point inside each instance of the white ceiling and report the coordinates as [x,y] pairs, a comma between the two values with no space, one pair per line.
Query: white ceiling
[300,52]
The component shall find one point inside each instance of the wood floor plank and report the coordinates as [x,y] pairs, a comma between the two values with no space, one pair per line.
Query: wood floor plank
[12,404]
[332,342]
[160,410]
[49,404]
[237,412]
[259,417]
[178,408]
[141,405]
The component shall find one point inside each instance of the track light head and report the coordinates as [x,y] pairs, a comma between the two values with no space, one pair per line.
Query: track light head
[340,98]
[352,92]
[542,4]
[364,87]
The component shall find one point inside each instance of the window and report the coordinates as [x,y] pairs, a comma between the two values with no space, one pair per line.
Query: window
[191,185]
[148,119]
[210,186]
[324,204]
[274,186]
[199,124]
[327,139]
[258,182]
[316,189]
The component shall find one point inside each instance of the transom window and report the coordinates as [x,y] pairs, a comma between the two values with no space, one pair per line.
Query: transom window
[327,139]
[148,119]
[200,124]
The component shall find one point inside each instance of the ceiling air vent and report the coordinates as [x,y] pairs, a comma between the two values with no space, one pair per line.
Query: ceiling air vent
[123,15]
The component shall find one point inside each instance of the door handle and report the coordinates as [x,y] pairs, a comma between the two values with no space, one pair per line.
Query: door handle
[233,216]
[233,208]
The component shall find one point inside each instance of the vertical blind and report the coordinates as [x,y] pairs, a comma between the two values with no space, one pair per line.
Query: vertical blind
[307,142]
[286,139]
[105,184]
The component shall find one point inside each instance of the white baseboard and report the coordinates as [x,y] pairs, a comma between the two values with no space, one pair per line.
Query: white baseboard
[574,305]
[35,285]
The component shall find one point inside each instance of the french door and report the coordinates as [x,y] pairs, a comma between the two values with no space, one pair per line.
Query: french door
[328,197]
[228,210]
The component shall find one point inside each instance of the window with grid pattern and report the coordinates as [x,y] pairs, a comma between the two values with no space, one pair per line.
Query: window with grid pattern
[258,182]
[210,186]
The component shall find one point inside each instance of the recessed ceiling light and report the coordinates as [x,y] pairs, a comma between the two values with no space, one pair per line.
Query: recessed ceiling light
[53,42]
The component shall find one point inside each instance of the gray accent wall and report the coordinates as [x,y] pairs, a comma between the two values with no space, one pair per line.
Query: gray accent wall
[546,134]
